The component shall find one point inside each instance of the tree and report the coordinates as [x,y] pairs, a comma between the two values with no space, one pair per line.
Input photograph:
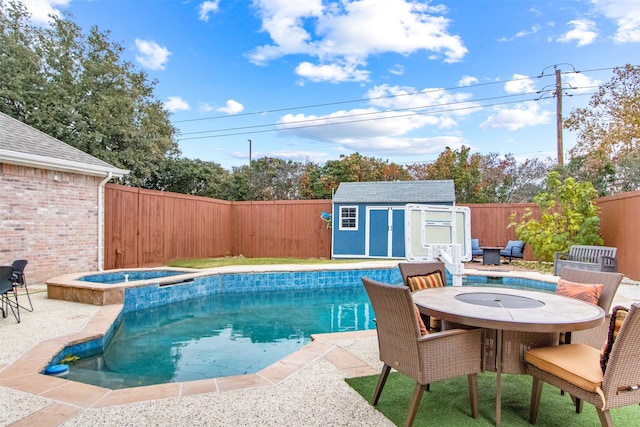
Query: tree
[275,179]
[594,168]
[313,184]
[190,176]
[505,180]
[608,133]
[237,188]
[568,216]
[77,88]
[461,167]
[20,63]
[358,168]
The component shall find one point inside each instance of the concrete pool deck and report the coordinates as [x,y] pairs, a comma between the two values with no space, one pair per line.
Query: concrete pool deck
[305,388]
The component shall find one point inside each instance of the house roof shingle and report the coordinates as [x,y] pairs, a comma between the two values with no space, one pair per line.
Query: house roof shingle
[435,191]
[24,145]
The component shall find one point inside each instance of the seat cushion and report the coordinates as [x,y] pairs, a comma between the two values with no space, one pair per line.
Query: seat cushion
[578,364]
[618,314]
[513,248]
[431,280]
[582,291]
[423,328]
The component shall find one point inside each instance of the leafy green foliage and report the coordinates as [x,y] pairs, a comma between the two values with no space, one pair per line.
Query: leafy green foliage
[568,216]
[78,89]
[190,176]
[275,179]
[485,178]
[608,134]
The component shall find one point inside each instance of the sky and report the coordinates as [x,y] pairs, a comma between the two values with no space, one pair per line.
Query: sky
[397,80]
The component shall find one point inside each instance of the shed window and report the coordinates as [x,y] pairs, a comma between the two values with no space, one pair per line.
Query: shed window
[348,218]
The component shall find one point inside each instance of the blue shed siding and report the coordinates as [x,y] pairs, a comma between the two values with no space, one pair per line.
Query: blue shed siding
[353,243]
[349,242]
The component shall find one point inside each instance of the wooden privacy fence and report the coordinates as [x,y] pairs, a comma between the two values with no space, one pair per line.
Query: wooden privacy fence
[145,228]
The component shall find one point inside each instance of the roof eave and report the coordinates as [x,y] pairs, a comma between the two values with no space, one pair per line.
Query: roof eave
[42,162]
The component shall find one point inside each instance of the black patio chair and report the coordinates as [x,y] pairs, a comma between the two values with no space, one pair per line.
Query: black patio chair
[20,280]
[7,291]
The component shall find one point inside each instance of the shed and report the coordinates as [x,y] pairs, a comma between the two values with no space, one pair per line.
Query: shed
[51,212]
[368,217]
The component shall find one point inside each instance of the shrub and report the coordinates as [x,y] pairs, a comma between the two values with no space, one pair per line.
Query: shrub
[568,216]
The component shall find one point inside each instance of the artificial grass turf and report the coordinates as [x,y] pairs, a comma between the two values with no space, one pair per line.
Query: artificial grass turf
[447,404]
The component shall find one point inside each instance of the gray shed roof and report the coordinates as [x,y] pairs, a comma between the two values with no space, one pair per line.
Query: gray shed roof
[24,145]
[436,191]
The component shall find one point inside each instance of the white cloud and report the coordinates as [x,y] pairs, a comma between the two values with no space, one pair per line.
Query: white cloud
[583,32]
[334,73]
[516,118]
[626,15]
[347,33]
[436,103]
[397,70]
[357,124]
[520,84]
[41,9]
[205,108]
[579,83]
[206,8]
[401,146]
[467,81]
[151,54]
[379,130]
[522,33]
[232,107]
[175,103]
[534,29]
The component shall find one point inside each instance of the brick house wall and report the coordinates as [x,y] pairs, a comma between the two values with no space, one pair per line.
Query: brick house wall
[49,218]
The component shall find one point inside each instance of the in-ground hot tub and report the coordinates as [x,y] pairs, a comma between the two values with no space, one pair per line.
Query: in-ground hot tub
[128,276]
[108,287]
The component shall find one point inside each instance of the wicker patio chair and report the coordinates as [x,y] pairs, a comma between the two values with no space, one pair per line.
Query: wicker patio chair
[597,336]
[8,294]
[424,358]
[408,269]
[576,368]
[411,269]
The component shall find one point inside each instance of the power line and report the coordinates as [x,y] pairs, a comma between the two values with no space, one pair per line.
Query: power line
[283,129]
[360,114]
[328,104]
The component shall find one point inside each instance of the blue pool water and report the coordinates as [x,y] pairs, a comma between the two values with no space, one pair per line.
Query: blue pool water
[220,335]
[217,327]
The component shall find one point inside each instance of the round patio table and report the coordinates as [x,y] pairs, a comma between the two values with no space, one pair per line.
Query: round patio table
[513,310]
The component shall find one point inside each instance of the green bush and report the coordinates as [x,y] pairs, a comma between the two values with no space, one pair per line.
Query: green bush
[568,216]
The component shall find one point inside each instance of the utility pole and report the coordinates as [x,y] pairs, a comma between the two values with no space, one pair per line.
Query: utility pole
[559,117]
[558,94]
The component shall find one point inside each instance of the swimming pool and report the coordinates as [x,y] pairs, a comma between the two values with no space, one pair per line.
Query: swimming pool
[234,332]
[219,335]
